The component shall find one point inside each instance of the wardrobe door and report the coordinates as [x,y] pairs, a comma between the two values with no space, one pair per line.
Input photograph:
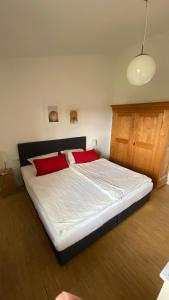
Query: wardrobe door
[146,134]
[122,137]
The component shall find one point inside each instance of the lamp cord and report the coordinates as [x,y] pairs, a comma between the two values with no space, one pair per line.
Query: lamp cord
[145,28]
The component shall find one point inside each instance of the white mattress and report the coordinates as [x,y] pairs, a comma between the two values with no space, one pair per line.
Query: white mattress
[71,207]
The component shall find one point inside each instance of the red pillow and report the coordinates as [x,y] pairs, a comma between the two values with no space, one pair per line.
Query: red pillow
[50,164]
[85,156]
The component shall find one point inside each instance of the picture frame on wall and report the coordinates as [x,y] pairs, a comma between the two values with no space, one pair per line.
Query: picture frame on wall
[53,115]
[73,116]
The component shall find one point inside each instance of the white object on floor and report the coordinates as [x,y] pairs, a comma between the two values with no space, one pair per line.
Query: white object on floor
[164,293]
[71,207]
[165,273]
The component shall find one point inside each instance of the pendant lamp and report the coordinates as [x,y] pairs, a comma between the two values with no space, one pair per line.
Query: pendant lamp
[143,67]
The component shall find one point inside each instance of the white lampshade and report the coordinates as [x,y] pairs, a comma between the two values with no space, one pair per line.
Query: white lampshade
[141,69]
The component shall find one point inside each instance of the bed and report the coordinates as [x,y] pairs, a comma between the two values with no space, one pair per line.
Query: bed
[79,204]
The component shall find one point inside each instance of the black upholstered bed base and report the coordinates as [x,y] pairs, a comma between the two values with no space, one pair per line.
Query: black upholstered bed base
[65,255]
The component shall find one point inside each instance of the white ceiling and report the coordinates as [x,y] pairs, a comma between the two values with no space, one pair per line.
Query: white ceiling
[51,27]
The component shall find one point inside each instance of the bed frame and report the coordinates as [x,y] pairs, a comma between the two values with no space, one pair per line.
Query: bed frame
[27,150]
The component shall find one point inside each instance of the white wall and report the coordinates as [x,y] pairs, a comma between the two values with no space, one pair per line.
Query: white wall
[88,83]
[28,86]
[158,88]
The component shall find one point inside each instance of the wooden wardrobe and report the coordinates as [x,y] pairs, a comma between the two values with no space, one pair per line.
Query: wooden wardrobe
[140,139]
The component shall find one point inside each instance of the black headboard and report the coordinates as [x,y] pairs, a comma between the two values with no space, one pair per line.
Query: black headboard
[27,150]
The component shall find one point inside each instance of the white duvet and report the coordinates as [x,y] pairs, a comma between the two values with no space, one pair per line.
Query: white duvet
[110,178]
[67,199]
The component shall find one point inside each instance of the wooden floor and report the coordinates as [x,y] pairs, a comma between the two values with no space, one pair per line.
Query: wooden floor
[123,265]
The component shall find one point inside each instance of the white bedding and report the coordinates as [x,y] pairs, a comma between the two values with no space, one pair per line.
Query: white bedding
[71,207]
[112,179]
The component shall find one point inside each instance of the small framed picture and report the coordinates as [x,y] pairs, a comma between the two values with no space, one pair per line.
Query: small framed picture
[73,116]
[53,116]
